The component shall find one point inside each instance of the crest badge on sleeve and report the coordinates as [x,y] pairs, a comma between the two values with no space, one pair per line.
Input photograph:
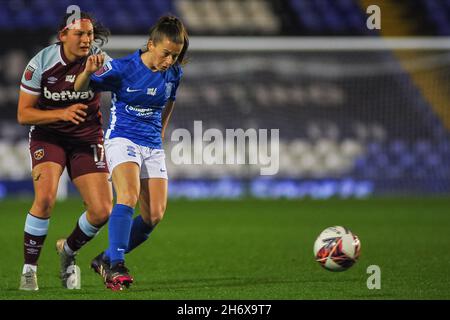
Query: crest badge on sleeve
[168,90]
[29,73]
[103,70]
[39,154]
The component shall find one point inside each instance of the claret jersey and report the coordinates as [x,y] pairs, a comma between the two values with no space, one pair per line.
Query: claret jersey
[51,76]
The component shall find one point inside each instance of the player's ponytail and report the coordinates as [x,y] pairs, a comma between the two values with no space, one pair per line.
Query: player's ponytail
[101,33]
[181,57]
[172,28]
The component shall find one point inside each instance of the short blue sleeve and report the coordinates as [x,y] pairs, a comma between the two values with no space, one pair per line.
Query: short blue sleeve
[108,78]
[175,83]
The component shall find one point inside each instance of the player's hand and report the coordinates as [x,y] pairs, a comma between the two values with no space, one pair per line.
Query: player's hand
[94,63]
[74,113]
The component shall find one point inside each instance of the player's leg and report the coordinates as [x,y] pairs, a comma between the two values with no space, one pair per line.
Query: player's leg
[152,202]
[124,160]
[126,183]
[89,174]
[96,191]
[48,161]
[45,182]
[153,196]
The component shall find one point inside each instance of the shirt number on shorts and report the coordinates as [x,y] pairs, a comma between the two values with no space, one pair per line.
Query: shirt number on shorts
[98,150]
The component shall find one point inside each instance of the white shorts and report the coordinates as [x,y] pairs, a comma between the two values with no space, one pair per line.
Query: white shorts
[151,161]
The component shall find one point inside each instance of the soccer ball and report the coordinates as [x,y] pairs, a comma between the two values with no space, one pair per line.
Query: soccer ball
[337,248]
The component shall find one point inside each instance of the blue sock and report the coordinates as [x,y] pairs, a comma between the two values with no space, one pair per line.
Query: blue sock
[119,232]
[140,231]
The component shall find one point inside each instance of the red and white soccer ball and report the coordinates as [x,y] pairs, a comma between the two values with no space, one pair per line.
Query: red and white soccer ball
[337,248]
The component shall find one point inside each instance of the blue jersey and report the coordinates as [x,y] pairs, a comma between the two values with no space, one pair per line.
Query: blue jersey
[138,97]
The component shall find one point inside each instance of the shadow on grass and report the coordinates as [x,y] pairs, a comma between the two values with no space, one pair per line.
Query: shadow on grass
[219,282]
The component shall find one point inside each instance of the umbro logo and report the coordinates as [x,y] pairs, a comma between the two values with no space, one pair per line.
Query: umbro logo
[52,80]
[100,164]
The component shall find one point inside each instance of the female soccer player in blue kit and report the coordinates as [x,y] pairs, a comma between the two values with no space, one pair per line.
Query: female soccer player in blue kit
[144,86]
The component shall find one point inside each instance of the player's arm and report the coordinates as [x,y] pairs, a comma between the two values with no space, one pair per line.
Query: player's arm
[28,114]
[93,64]
[167,112]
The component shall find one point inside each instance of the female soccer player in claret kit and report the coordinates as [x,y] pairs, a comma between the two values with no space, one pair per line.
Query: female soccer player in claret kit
[144,86]
[66,132]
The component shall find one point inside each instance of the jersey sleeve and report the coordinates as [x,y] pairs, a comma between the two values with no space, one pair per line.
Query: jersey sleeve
[108,78]
[175,83]
[31,78]
[97,50]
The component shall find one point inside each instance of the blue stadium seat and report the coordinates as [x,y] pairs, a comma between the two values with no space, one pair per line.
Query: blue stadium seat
[422,147]
[432,159]
[397,147]
[346,5]
[41,4]
[306,15]
[24,19]
[330,16]
[311,21]
[437,13]
[5,21]
[355,20]
[333,20]
[162,6]
[444,147]
[407,159]
[433,5]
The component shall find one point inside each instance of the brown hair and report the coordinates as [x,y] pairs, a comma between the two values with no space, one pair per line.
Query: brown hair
[172,28]
[100,32]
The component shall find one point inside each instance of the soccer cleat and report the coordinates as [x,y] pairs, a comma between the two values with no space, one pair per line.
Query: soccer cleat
[28,281]
[70,273]
[100,266]
[118,277]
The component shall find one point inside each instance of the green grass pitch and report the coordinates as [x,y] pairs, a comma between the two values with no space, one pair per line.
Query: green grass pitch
[251,249]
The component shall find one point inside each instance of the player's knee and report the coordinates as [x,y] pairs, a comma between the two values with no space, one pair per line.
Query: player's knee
[157,213]
[128,198]
[100,212]
[44,204]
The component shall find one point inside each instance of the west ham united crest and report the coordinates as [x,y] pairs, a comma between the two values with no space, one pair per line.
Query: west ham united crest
[39,154]
[29,73]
